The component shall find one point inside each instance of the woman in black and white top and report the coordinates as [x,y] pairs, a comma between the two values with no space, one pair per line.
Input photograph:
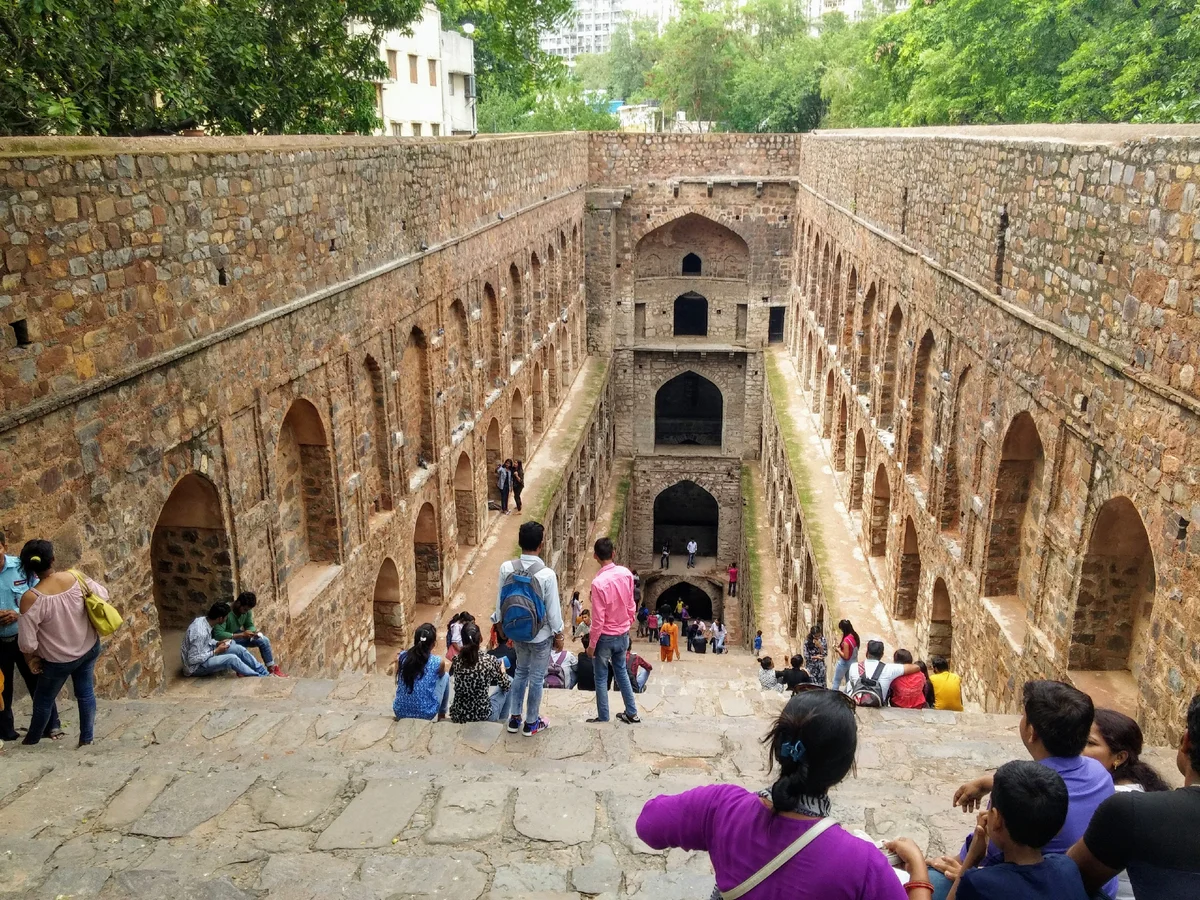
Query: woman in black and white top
[474,673]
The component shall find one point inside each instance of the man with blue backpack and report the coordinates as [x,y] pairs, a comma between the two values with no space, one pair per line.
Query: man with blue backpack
[527,608]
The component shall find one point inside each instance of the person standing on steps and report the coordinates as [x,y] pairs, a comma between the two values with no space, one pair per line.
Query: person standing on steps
[504,484]
[529,609]
[847,654]
[13,585]
[733,579]
[576,611]
[57,638]
[668,640]
[815,651]
[692,547]
[613,613]
[665,561]
[518,482]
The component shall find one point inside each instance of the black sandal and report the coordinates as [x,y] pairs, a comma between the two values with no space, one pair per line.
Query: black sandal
[597,721]
[629,720]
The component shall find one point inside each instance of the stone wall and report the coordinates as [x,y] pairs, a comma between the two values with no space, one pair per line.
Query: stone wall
[192,570]
[1045,288]
[207,289]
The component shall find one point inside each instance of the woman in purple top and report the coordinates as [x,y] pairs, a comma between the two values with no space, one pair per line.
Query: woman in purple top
[813,742]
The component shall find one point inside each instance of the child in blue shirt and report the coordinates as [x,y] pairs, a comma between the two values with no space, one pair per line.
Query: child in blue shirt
[1029,807]
[758,643]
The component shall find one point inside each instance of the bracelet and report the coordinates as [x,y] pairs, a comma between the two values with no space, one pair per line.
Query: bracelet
[919,885]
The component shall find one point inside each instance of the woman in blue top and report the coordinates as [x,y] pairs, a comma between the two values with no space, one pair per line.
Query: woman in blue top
[422,679]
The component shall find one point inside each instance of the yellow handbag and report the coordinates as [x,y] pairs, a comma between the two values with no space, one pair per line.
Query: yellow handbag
[103,615]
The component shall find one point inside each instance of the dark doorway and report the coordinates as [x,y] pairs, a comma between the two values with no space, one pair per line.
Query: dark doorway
[698,603]
[684,512]
[688,409]
[691,315]
[691,264]
[775,325]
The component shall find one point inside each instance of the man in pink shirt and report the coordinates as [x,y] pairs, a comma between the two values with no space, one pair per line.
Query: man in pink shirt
[613,613]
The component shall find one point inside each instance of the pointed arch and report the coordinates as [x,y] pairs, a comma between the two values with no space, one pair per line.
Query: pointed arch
[373,441]
[839,440]
[691,315]
[460,361]
[517,418]
[1007,562]
[827,406]
[683,512]
[190,556]
[691,264]
[833,327]
[689,409]
[538,300]
[952,493]
[388,606]
[908,580]
[865,336]
[427,557]
[306,499]
[891,359]
[518,313]
[494,456]
[672,250]
[538,398]
[919,415]
[941,627]
[858,473]
[493,326]
[846,344]
[416,403]
[1117,582]
[466,524]
[881,511]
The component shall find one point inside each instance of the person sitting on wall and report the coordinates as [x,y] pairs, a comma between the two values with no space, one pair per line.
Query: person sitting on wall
[947,686]
[204,655]
[239,628]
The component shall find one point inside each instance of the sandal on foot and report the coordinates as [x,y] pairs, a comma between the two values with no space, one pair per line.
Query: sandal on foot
[57,734]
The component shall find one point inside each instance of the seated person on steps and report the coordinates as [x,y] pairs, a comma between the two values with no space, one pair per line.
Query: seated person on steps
[204,655]
[239,628]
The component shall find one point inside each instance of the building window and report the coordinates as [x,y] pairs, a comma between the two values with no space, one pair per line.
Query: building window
[397,129]
[435,129]
[412,68]
[433,73]
[379,99]
[416,129]
[450,83]
[392,65]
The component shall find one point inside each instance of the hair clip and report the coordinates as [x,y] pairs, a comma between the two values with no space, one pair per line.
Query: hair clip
[793,750]
[35,559]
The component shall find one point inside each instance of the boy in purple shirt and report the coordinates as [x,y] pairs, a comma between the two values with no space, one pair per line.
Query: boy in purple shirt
[1054,729]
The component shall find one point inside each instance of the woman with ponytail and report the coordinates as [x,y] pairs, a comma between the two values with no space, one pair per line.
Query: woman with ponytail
[813,743]
[422,682]
[474,673]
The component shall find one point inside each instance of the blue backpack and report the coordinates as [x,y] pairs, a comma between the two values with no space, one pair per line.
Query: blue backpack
[521,608]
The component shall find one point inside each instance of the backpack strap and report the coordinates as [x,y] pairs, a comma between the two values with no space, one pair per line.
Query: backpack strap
[819,828]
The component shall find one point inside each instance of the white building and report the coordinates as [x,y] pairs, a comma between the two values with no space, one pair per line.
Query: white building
[590,26]
[430,87]
[852,9]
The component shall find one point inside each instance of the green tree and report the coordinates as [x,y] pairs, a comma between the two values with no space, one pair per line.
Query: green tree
[633,50]
[561,107]
[593,71]
[699,54]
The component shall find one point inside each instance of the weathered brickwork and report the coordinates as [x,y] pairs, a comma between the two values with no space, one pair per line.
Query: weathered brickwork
[322,334]
[1010,329]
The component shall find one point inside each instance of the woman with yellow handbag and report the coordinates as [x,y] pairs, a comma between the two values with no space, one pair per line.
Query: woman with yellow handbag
[58,637]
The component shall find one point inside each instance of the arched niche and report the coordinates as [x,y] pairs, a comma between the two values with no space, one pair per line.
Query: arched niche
[494,456]
[190,556]
[691,315]
[517,419]
[388,607]
[908,579]
[1007,565]
[941,629]
[464,501]
[307,504]
[660,253]
[683,512]
[688,409]
[427,557]
[881,510]
[691,265]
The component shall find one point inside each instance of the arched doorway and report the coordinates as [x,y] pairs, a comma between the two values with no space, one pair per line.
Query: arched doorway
[908,581]
[699,604]
[416,403]
[388,607]
[858,473]
[881,510]
[688,409]
[306,501]
[891,355]
[464,501]
[917,425]
[427,557]
[691,315]
[190,557]
[517,418]
[374,439]
[685,512]
[494,456]
[941,630]
[1007,565]
[1116,593]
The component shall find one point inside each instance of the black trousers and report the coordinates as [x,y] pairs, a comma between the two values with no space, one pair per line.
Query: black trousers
[12,658]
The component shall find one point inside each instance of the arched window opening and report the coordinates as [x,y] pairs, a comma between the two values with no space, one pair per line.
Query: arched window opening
[688,409]
[374,442]
[941,630]
[686,512]
[919,425]
[190,554]
[1111,630]
[307,507]
[388,608]
[891,355]
[859,472]
[417,404]
[691,315]
[881,510]
[464,502]
[908,582]
[691,264]
[494,456]
[427,557]
[1007,566]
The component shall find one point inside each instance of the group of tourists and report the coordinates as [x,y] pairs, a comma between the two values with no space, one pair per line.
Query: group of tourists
[1083,817]
[220,642]
[510,479]
[660,626]
[527,651]
[48,637]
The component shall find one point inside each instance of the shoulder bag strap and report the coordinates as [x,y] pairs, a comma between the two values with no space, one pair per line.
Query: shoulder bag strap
[787,853]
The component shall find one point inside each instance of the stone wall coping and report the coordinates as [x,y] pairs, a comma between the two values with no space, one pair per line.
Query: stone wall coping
[1099,354]
[1058,135]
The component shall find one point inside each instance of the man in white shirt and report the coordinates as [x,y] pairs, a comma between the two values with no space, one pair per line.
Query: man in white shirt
[691,549]
[875,668]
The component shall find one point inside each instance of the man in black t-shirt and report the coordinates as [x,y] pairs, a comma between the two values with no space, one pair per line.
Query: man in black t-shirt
[1155,836]
[585,675]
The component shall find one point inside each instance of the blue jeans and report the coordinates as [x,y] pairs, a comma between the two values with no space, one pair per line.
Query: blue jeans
[12,662]
[941,884]
[692,560]
[237,658]
[642,677]
[51,681]
[529,673]
[611,650]
[841,672]
[263,645]
[500,700]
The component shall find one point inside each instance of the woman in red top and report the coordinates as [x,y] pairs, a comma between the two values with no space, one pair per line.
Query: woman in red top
[908,691]
[847,654]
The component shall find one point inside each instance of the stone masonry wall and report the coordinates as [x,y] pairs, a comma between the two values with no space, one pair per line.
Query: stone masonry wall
[193,570]
[161,366]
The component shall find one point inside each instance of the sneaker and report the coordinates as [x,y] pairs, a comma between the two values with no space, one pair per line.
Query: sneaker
[629,720]
[532,728]
[514,724]
[276,671]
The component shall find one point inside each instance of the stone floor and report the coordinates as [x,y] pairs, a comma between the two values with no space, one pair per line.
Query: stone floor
[302,788]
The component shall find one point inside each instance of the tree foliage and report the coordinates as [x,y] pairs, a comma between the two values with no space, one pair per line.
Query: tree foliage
[633,49]
[561,107]
[233,66]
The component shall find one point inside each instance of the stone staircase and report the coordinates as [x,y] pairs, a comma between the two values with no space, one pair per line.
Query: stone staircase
[304,788]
